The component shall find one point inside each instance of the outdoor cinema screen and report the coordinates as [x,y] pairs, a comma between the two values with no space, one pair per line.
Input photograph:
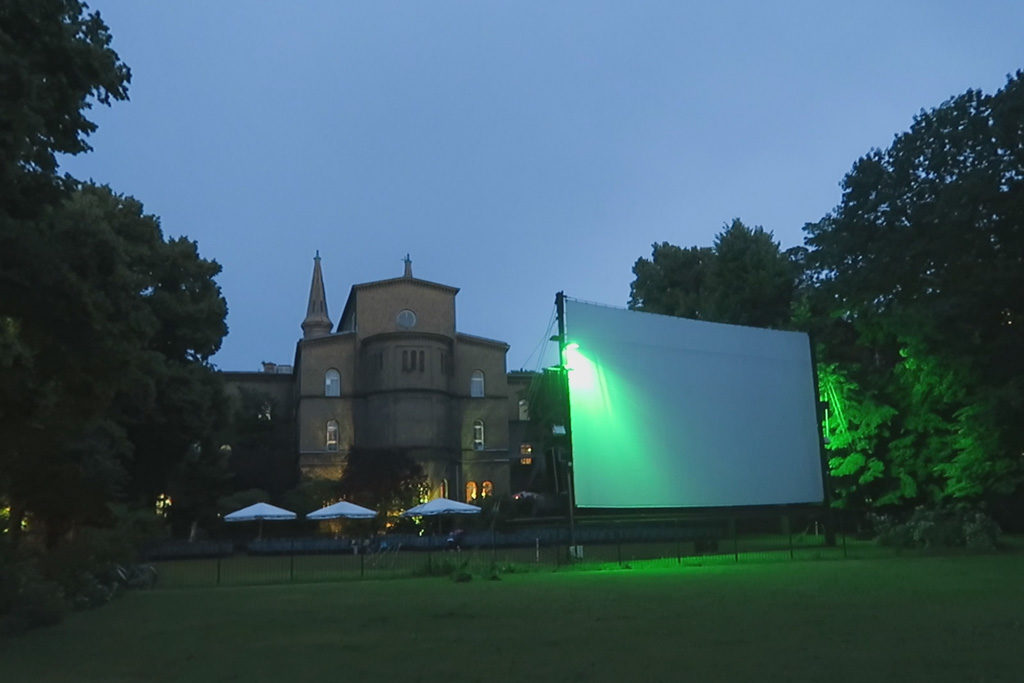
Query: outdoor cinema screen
[669,412]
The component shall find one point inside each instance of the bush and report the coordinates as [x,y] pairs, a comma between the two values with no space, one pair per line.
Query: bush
[26,601]
[86,570]
[932,528]
[37,603]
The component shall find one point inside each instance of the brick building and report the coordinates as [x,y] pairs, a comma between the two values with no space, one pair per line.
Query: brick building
[394,373]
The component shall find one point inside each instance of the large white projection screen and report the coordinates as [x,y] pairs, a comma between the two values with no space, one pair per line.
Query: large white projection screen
[669,412]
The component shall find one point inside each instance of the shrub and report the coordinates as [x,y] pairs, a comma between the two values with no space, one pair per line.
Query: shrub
[38,603]
[26,601]
[932,528]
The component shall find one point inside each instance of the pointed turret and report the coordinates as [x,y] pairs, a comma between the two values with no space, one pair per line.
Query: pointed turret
[317,323]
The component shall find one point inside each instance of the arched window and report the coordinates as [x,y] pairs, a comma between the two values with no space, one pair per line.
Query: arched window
[332,435]
[444,488]
[524,410]
[476,384]
[470,491]
[332,383]
[487,489]
[478,435]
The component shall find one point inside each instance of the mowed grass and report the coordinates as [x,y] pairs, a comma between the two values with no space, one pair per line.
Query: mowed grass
[958,618]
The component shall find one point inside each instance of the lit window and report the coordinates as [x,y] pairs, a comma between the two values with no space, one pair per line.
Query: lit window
[524,409]
[470,491]
[332,435]
[476,384]
[526,460]
[525,449]
[332,383]
[478,435]
[163,504]
[486,489]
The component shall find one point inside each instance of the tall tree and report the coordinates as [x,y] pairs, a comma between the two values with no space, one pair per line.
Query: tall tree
[385,479]
[261,440]
[106,380]
[922,260]
[744,279]
[55,60]
[672,282]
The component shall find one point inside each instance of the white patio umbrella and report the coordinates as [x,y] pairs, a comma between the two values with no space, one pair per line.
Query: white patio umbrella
[342,509]
[442,506]
[259,512]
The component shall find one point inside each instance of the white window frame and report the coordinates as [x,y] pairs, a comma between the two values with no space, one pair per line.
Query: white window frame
[331,443]
[332,374]
[478,435]
[476,384]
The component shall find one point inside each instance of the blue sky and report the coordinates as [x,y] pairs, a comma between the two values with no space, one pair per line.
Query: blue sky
[514,149]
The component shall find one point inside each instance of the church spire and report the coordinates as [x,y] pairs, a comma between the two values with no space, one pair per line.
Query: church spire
[317,323]
[408,266]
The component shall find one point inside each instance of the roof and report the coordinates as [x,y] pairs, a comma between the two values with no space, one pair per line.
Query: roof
[387,283]
[473,339]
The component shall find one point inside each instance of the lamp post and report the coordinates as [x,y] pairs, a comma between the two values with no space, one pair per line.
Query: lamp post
[567,428]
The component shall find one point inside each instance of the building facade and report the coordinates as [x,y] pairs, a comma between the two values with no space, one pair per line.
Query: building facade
[395,374]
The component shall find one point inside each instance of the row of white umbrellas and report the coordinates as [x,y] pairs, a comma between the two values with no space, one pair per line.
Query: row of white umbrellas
[344,509]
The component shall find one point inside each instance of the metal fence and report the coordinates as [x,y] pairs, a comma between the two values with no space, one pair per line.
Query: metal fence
[591,544]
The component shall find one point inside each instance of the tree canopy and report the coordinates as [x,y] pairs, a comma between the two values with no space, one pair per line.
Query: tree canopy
[107,385]
[106,326]
[55,60]
[743,279]
[917,278]
[911,289]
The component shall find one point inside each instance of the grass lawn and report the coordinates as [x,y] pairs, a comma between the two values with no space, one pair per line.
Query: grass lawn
[957,618]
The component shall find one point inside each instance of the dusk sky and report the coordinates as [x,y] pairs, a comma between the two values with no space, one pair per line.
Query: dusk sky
[513,149]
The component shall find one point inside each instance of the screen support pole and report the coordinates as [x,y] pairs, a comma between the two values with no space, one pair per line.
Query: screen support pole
[564,373]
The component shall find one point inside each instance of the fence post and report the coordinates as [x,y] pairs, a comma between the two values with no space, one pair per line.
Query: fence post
[735,540]
[679,544]
[789,532]
[842,531]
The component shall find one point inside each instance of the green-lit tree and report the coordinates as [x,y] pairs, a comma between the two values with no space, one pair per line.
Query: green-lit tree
[920,265]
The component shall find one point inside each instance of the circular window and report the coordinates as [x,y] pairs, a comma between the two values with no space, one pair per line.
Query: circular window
[406,319]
